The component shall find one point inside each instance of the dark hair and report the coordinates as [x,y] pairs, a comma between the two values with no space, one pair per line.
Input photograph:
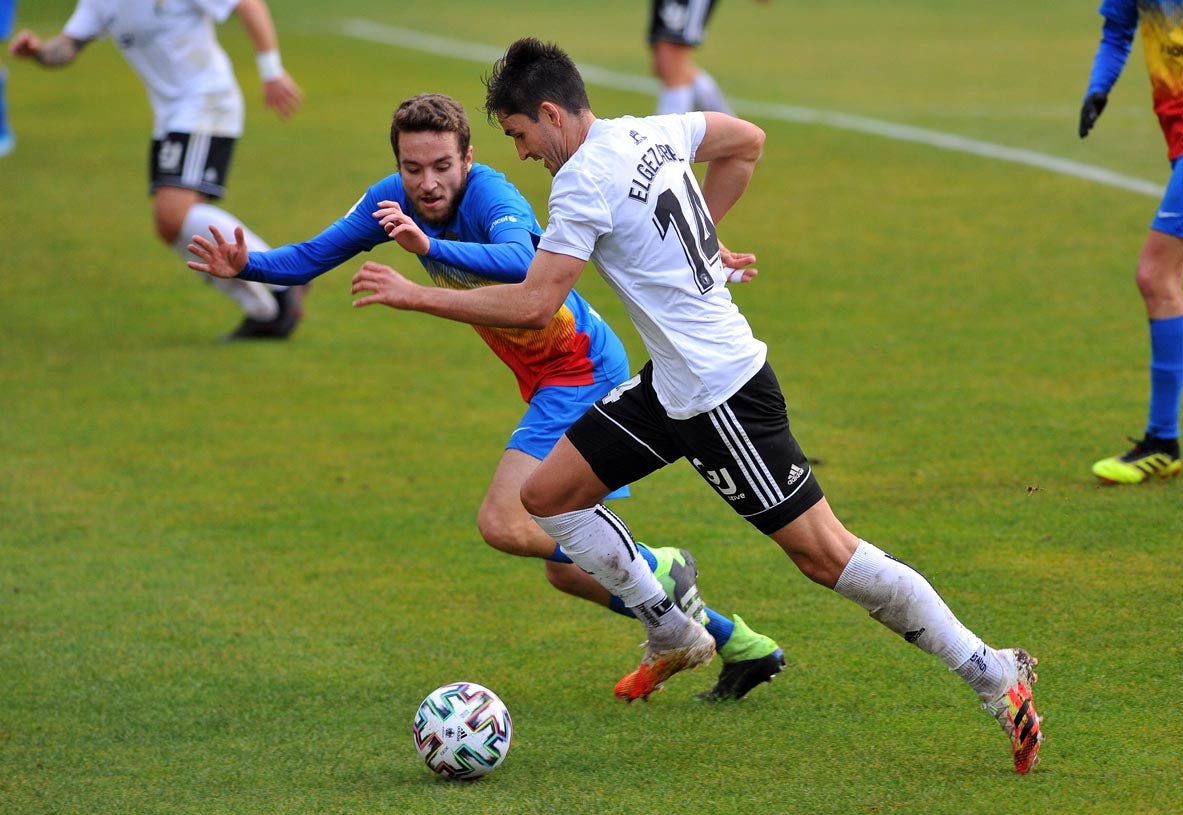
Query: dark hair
[431,113]
[532,72]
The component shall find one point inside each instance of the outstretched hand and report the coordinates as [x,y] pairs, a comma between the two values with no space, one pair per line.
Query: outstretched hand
[401,228]
[1090,111]
[220,259]
[388,286]
[738,265]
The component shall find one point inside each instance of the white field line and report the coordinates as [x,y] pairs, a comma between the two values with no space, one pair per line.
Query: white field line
[603,77]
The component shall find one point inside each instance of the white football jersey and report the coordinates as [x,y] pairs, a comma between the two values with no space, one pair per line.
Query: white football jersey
[628,201]
[173,46]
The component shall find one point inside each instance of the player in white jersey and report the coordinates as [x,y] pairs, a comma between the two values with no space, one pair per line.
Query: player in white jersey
[676,30]
[624,197]
[197,118]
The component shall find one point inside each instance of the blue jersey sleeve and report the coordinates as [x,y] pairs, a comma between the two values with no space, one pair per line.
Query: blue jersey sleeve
[355,232]
[1117,38]
[505,260]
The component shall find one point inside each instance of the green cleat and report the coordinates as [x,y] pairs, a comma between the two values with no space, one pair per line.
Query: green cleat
[749,659]
[678,574]
[1150,456]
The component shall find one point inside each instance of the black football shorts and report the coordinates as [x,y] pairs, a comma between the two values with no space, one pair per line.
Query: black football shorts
[743,448]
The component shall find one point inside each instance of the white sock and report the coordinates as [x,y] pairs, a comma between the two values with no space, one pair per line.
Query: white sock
[675,100]
[707,95]
[898,596]
[253,298]
[600,544]
[982,671]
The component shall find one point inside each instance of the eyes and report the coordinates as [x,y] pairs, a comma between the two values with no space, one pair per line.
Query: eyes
[418,169]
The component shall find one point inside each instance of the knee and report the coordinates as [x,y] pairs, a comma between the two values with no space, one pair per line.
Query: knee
[167,230]
[170,208]
[1148,276]
[536,501]
[673,64]
[168,222]
[563,576]
[823,571]
[819,551]
[1160,270]
[501,532]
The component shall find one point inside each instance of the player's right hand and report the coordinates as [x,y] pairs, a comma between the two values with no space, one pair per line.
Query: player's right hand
[402,228]
[24,44]
[283,96]
[737,265]
[388,287]
[1090,111]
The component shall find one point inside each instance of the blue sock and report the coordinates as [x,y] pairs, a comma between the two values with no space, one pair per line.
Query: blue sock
[559,556]
[650,558]
[719,627]
[1166,377]
[615,603]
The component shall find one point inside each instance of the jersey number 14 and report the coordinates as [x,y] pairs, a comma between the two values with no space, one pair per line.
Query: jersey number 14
[699,240]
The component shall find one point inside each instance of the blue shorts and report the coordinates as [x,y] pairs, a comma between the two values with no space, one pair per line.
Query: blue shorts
[1169,218]
[551,412]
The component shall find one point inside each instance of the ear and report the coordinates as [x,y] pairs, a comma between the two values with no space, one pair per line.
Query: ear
[552,113]
[468,158]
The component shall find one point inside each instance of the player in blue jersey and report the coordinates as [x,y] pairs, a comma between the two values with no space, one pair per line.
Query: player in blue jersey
[1160,266]
[7,17]
[469,227]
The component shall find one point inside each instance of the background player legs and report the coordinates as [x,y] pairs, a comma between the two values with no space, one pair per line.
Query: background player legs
[684,86]
[180,213]
[1160,282]
[673,65]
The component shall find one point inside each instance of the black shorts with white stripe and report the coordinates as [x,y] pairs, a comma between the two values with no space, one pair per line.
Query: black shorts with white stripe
[679,21]
[192,161]
[743,448]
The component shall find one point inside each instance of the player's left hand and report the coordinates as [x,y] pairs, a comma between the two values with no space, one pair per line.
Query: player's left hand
[738,265]
[401,228]
[283,96]
[1090,111]
[388,286]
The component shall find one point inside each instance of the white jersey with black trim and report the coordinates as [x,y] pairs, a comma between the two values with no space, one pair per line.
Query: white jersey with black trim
[173,46]
[628,201]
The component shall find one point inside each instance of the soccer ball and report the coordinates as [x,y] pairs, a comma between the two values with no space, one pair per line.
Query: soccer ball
[462,730]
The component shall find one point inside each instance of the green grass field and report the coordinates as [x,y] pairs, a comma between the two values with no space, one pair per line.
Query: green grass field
[229,574]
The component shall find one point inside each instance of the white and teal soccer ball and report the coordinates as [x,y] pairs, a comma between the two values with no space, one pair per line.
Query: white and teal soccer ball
[462,730]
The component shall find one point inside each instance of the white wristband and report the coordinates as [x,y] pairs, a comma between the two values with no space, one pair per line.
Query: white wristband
[269,65]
